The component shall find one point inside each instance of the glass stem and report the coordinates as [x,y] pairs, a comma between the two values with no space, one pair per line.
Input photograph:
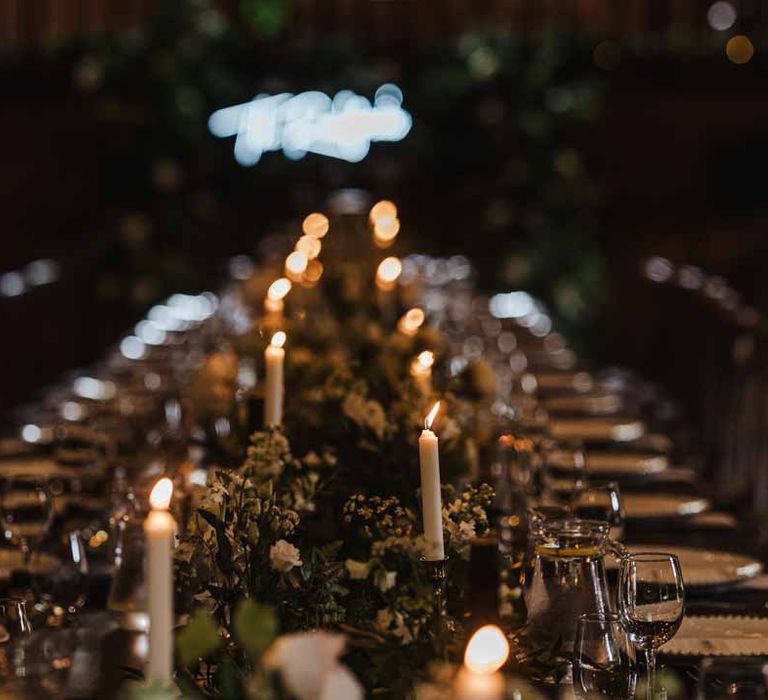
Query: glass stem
[650,661]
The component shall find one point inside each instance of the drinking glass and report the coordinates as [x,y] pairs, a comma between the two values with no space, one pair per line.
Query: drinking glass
[651,602]
[604,660]
[26,512]
[564,474]
[14,622]
[601,501]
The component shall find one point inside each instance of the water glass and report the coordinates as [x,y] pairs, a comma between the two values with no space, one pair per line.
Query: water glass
[651,602]
[26,512]
[601,501]
[604,660]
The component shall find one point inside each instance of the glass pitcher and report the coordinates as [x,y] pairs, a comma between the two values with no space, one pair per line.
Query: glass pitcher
[565,579]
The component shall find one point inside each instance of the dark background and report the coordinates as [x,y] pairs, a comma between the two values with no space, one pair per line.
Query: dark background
[99,176]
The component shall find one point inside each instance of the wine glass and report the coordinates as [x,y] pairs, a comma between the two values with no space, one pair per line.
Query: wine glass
[26,512]
[564,474]
[651,602]
[14,622]
[601,501]
[604,662]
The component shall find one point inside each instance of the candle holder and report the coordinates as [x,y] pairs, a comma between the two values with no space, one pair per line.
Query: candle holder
[437,572]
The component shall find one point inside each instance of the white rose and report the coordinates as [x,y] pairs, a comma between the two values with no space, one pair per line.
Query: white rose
[357,569]
[283,556]
[308,665]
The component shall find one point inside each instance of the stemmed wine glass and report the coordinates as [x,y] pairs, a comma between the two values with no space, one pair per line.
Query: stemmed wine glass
[26,512]
[601,501]
[604,663]
[651,602]
[562,482]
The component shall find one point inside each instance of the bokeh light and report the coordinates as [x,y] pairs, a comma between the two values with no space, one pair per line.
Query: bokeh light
[721,15]
[739,49]
[315,225]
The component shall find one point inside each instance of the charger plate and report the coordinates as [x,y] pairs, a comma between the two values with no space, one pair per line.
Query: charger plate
[727,635]
[662,505]
[614,462]
[704,567]
[597,429]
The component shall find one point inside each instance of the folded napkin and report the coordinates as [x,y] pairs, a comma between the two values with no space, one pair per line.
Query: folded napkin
[727,635]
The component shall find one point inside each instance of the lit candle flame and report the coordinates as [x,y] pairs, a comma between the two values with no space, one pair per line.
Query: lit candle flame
[279,288]
[296,262]
[487,651]
[426,359]
[411,321]
[160,497]
[385,230]
[431,416]
[278,339]
[389,270]
[381,209]
[315,225]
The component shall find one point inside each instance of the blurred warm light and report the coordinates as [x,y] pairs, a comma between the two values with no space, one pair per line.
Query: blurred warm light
[385,230]
[721,16]
[310,246]
[160,497]
[296,263]
[96,389]
[315,225]
[31,433]
[314,272]
[426,359]
[388,271]
[279,288]
[383,209]
[278,339]
[411,321]
[431,416]
[487,651]
[607,54]
[739,49]
[511,305]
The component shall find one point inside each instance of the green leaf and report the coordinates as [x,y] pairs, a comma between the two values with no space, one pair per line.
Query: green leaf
[210,518]
[198,639]
[255,626]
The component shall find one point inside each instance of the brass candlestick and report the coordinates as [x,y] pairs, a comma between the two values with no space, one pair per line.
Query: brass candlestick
[437,572]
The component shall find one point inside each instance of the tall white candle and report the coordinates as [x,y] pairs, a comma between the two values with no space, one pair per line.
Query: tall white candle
[159,529]
[274,356]
[431,501]
[479,678]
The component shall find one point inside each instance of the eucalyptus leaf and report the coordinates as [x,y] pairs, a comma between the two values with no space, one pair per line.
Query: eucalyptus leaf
[198,639]
[255,626]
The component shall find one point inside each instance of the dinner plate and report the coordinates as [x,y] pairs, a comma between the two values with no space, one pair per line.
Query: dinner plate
[703,567]
[613,462]
[662,505]
[728,635]
[11,560]
[590,404]
[596,429]
[565,381]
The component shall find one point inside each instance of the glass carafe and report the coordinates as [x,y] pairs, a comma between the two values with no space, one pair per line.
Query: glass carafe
[565,579]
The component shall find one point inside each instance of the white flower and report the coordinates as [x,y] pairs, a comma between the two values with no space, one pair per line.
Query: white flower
[357,569]
[466,531]
[283,556]
[386,580]
[308,664]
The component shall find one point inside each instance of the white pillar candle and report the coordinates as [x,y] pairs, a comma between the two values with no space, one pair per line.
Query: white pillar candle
[159,529]
[479,678]
[431,501]
[274,357]
[421,371]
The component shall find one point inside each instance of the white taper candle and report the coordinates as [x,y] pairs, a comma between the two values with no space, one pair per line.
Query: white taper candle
[159,529]
[274,356]
[431,500]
